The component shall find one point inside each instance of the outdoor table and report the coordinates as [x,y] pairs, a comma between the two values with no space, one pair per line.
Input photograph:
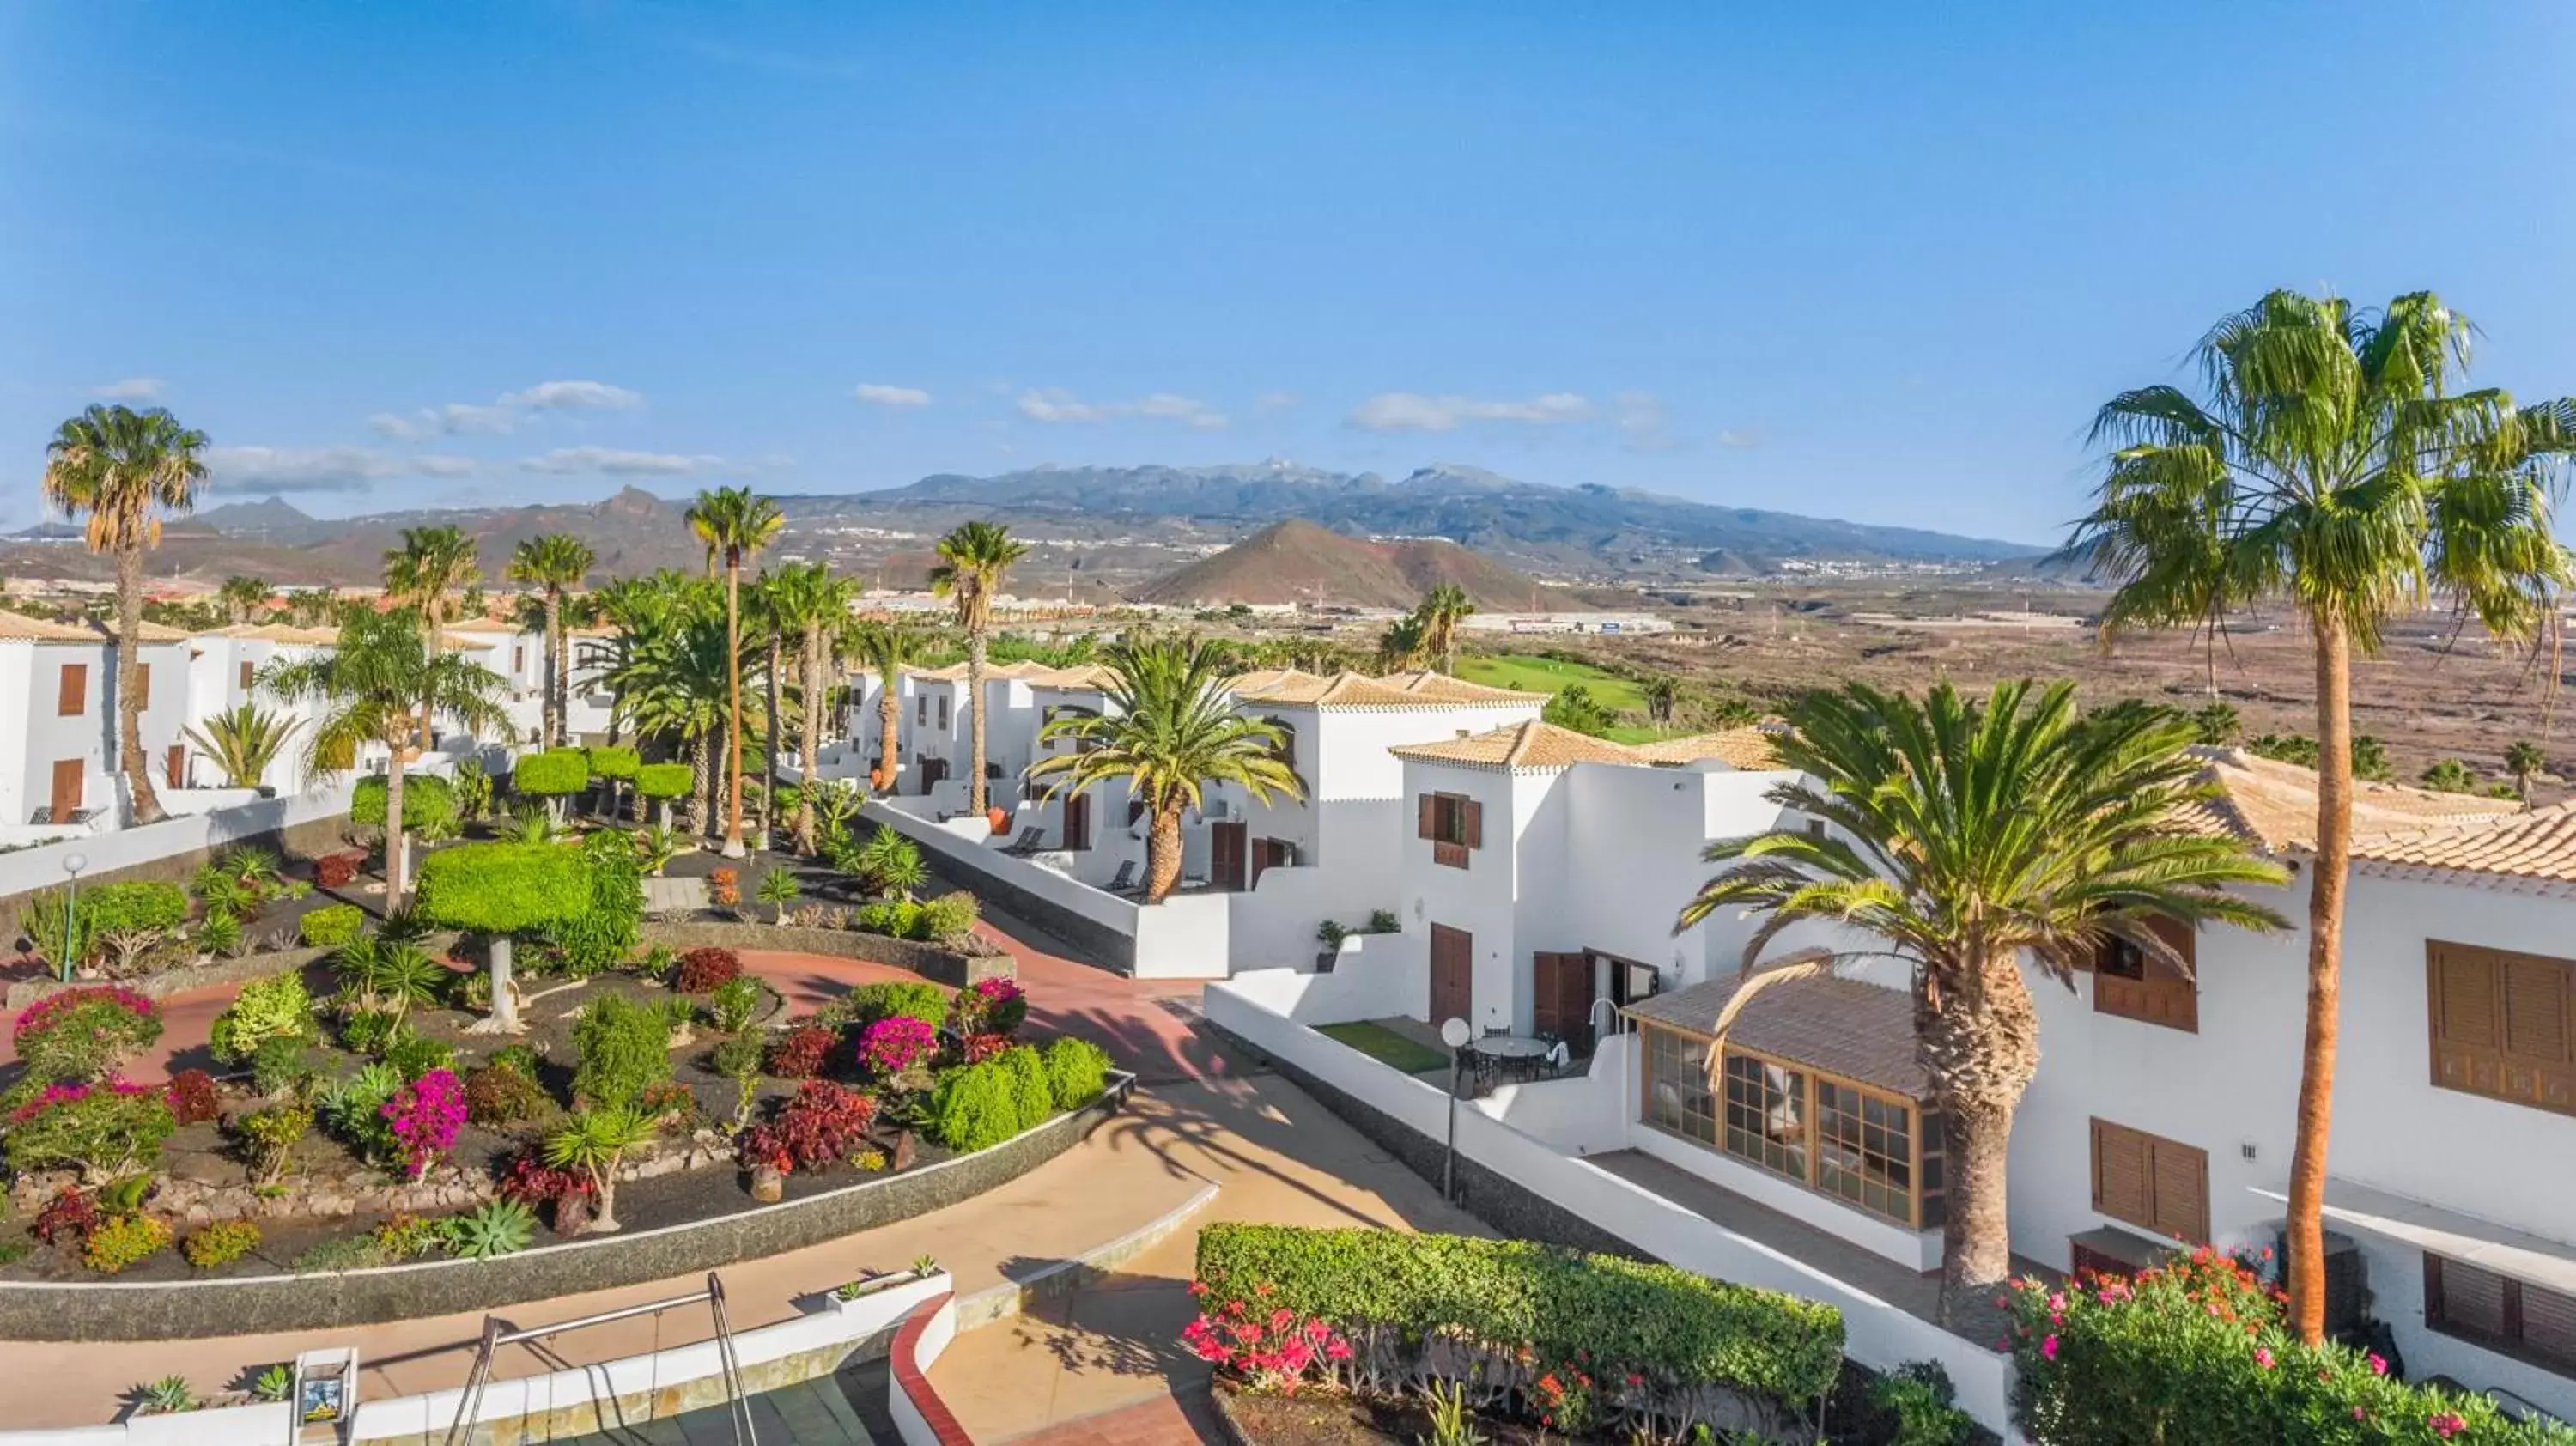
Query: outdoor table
[1508,1052]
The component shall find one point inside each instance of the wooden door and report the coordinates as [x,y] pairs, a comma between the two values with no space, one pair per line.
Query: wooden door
[1561,998]
[1228,852]
[932,771]
[68,775]
[178,765]
[1077,821]
[1270,853]
[1453,975]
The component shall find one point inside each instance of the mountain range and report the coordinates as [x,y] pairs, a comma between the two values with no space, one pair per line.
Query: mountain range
[1299,561]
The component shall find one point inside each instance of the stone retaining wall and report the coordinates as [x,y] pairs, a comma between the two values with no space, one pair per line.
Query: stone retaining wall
[942,966]
[1090,937]
[162,1310]
[172,981]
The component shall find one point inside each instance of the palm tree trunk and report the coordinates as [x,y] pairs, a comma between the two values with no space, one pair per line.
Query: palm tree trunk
[733,706]
[129,667]
[431,642]
[812,772]
[1980,1049]
[976,801]
[551,710]
[706,778]
[889,729]
[769,763]
[2307,1260]
[395,842]
[1163,855]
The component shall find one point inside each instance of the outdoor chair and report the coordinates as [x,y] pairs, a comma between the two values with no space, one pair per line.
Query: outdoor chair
[1031,839]
[1125,878]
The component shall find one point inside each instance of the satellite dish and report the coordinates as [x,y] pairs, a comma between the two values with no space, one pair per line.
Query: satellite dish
[1454,1032]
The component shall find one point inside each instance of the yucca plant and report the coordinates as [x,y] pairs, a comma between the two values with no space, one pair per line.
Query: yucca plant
[243,741]
[595,1142]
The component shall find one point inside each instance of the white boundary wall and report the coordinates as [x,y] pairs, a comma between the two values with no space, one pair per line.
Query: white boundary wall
[1272,1010]
[42,868]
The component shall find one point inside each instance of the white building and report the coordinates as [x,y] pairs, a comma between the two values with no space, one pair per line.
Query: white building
[224,671]
[58,765]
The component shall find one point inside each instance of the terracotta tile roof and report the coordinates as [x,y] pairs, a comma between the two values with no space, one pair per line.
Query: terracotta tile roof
[1531,745]
[1358,690]
[280,633]
[2537,845]
[956,672]
[1839,1026]
[1090,676]
[1750,749]
[2274,805]
[18,627]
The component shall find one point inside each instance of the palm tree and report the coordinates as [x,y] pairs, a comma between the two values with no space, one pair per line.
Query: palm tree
[1170,729]
[973,560]
[1441,612]
[2217,724]
[888,650]
[673,684]
[2524,761]
[1401,646]
[122,469]
[1965,836]
[382,679]
[423,574]
[243,741]
[734,525]
[555,562]
[242,598]
[806,601]
[1662,693]
[2334,463]
[595,1142]
[637,608]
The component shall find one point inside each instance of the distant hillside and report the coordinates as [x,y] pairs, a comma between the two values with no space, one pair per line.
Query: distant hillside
[1296,561]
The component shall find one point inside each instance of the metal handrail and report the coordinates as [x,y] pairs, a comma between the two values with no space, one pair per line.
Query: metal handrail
[494,1338]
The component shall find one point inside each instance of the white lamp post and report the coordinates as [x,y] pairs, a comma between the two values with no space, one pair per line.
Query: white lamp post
[73,863]
[1455,1034]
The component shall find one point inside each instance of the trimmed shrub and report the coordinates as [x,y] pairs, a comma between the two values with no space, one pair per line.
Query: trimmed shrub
[1029,1084]
[128,1240]
[1077,1071]
[614,763]
[497,1096]
[85,1033]
[106,909]
[551,774]
[331,926]
[2199,1351]
[948,917]
[415,1055]
[871,1002]
[278,1065]
[1919,1395]
[221,1243]
[273,1008]
[603,935]
[101,1130]
[976,1107]
[1672,1328]
[702,971]
[664,780]
[191,1097]
[624,1048]
[502,888]
[896,918]
[269,1137]
[429,804]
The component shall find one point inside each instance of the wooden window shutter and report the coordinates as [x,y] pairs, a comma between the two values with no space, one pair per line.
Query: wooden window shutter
[2472,1300]
[2549,1323]
[246,672]
[71,692]
[2120,1173]
[1472,823]
[2535,1009]
[1424,807]
[2179,1176]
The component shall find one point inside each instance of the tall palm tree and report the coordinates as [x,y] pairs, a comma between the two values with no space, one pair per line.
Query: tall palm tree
[386,674]
[1170,729]
[1443,609]
[637,608]
[2335,462]
[555,562]
[122,469]
[769,620]
[243,741]
[888,650]
[1966,835]
[1401,647]
[810,604]
[674,685]
[425,574]
[2524,760]
[242,598]
[973,561]
[1662,694]
[734,525]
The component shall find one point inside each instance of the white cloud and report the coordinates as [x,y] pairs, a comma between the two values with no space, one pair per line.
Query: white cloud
[132,389]
[886,396]
[1054,404]
[575,396]
[320,469]
[1739,438]
[505,413]
[1415,412]
[1275,401]
[1643,426]
[614,462]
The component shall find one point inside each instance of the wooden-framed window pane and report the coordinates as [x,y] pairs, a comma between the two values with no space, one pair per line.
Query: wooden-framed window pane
[1864,1149]
[2129,985]
[1677,1093]
[1766,1115]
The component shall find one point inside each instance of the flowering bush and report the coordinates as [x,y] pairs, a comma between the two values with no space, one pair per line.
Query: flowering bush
[220,1243]
[799,1053]
[86,1033]
[702,970]
[826,1124]
[425,1116]
[68,1218]
[125,1241]
[894,1044]
[989,1006]
[724,887]
[191,1097]
[102,1130]
[1273,1351]
[2200,1351]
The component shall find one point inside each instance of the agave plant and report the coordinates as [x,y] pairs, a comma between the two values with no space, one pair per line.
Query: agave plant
[493,1228]
[534,825]
[166,1396]
[243,742]
[657,846]
[274,1384]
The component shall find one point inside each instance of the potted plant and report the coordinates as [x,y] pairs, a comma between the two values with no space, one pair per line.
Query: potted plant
[999,817]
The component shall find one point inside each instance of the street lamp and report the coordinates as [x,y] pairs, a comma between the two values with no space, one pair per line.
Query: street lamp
[73,863]
[1455,1034]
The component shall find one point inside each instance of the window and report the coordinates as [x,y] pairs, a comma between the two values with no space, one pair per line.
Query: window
[71,692]
[2503,1025]
[2529,1322]
[1860,1145]
[943,710]
[1453,822]
[921,709]
[2151,1182]
[143,685]
[1285,750]
[246,672]
[2128,984]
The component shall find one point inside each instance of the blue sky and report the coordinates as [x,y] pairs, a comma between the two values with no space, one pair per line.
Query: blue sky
[1871,261]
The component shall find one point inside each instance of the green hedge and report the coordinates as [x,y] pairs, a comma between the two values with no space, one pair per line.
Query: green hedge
[1669,1325]
[502,888]
[429,804]
[980,1106]
[552,774]
[614,762]
[1077,1071]
[2198,1354]
[665,780]
[331,925]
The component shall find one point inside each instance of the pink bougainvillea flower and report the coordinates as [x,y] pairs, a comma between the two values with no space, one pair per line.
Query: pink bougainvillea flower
[2446,1424]
[2048,1349]
[2378,1364]
[2263,1357]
